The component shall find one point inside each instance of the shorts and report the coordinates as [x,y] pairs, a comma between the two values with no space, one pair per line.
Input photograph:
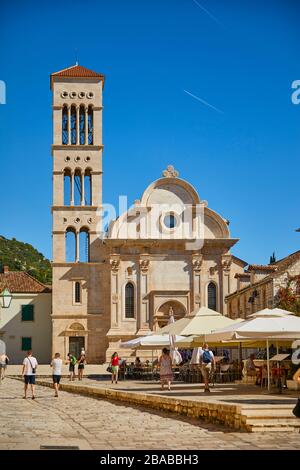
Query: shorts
[114,369]
[29,379]
[3,366]
[56,379]
[80,366]
[72,368]
[206,370]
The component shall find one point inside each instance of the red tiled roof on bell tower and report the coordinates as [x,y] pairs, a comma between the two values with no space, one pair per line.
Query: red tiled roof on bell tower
[76,71]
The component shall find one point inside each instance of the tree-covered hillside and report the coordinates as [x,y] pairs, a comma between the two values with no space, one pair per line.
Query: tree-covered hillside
[19,256]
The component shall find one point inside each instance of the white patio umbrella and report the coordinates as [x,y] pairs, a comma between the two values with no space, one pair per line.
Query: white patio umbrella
[149,342]
[196,355]
[268,324]
[272,323]
[200,321]
[174,353]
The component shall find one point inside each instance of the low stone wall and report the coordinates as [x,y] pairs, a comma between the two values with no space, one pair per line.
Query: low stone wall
[213,412]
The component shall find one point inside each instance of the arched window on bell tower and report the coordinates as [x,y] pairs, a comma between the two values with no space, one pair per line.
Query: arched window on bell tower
[90,125]
[77,187]
[88,187]
[73,125]
[84,245]
[77,292]
[67,187]
[70,245]
[82,125]
[65,126]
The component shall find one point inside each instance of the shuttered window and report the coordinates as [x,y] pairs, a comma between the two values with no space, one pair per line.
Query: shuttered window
[27,313]
[26,344]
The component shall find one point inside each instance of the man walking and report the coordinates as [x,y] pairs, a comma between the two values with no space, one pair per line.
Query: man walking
[56,364]
[207,362]
[28,372]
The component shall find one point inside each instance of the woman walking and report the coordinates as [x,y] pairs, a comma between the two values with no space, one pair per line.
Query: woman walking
[3,365]
[114,367]
[81,361]
[165,369]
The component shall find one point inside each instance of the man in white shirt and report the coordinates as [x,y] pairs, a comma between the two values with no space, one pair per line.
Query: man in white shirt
[28,372]
[56,364]
[207,361]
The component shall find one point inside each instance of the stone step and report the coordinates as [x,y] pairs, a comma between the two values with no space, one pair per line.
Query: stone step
[262,429]
[268,414]
[274,421]
[273,425]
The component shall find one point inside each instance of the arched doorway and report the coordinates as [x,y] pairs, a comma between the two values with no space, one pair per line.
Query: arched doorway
[76,339]
[162,314]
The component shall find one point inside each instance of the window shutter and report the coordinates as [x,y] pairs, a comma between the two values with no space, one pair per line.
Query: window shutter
[26,344]
[27,312]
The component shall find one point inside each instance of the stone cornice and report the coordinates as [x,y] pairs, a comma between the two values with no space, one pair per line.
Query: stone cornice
[76,316]
[75,208]
[76,147]
[61,172]
[208,243]
[57,264]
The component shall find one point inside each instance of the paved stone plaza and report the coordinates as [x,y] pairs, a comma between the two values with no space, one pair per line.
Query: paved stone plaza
[97,424]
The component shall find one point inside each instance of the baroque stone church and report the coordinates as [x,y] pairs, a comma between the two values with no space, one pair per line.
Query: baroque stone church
[168,251]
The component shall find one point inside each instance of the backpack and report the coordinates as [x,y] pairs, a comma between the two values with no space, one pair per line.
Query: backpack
[206,357]
[73,360]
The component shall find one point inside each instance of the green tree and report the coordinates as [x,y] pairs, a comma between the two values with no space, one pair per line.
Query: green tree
[288,297]
[19,256]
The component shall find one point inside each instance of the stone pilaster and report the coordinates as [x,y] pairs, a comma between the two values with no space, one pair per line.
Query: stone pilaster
[143,323]
[226,266]
[197,260]
[115,291]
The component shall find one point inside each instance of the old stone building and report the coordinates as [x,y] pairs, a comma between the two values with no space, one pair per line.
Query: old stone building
[258,286]
[26,322]
[168,250]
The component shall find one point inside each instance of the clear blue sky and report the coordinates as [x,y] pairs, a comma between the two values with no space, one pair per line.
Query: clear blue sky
[239,56]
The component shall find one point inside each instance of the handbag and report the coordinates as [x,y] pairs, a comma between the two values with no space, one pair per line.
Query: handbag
[296,410]
[109,369]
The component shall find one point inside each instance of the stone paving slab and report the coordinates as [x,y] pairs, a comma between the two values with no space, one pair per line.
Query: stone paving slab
[217,408]
[83,421]
[46,370]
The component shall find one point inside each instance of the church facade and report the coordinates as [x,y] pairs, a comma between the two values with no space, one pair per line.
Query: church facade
[169,251]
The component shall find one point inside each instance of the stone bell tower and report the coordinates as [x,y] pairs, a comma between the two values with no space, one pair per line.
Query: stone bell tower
[77,202]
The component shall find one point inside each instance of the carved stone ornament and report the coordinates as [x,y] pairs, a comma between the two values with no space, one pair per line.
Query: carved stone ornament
[197,262]
[226,263]
[170,172]
[213,270]
[115,264]
[144,265]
